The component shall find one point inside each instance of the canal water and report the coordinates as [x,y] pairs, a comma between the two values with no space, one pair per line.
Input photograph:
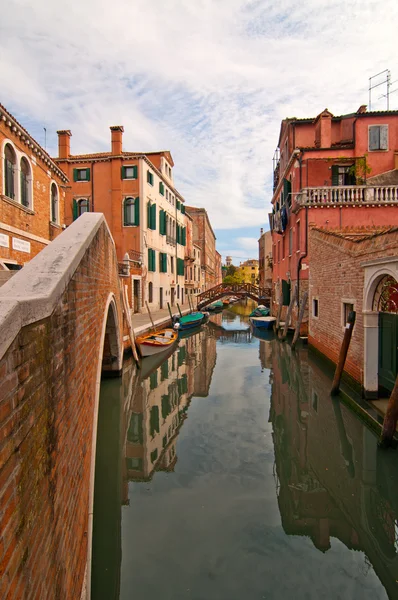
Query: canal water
[226,472]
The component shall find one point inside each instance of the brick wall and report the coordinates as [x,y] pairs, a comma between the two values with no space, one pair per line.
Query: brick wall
[337,276]
[47,412]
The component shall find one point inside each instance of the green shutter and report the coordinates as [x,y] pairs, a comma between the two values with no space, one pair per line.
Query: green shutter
[178,205]
[137,211]
[154,260]
[75,175]
[184,236]
[148,215]
[178,234]
[125,213]
[153,216]
[183,209]
[149,259]
[161,188]
[135,172]
[75,208]
[87,174]
[123,173]
[335,175]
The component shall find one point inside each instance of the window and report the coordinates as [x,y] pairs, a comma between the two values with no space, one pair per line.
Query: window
[131,212]
[315,307]
[162,262]
[150,292]
[167,194]
[290,241]
[151,216]
[151,260]
[378,137]
[129,172]
[343,175]
[81,174]
[161,188]
[172,264]
[347,308]
[162,222]
[10,162]
[80,206]
[54,203]
[149,177]
[298,236]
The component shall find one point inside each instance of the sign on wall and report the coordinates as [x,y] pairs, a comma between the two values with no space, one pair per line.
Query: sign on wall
[20,245]
[4,240]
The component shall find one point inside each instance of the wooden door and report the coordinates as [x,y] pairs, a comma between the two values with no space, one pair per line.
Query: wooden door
[388,351]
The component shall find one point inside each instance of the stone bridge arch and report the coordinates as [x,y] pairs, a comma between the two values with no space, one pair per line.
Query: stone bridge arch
[61,327]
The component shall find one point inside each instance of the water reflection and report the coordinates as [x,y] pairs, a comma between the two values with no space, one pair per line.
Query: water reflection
[269,489]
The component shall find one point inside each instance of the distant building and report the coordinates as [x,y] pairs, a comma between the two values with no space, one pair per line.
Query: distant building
[228,261]
[32,195]
[145,213]
[265,259]
[326,173]
[203,236]
[218,268]
[249,271]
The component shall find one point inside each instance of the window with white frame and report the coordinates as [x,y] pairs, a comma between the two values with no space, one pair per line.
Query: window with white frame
[83,205]
[26,181]
[54,204]
[378,137]
[10,169]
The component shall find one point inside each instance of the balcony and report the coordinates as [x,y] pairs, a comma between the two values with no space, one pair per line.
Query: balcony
[135,256]
[171,240]
[358,195]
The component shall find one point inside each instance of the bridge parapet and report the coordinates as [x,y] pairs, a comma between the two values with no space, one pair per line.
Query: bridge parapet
[241,290]
[60,326]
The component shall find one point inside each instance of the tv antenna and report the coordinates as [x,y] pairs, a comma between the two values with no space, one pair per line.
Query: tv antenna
[386,81]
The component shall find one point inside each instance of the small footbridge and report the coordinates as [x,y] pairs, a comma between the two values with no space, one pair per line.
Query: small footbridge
[240,290]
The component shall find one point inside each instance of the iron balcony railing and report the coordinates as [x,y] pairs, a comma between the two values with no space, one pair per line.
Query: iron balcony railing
[348,194]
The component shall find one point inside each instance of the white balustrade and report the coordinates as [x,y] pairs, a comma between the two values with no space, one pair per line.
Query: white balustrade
[348,194]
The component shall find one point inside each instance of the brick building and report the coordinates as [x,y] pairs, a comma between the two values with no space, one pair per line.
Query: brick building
[265,259]
[323,174]
[145,213]
[32,195]
[203,236]
[356,269]
[218,268]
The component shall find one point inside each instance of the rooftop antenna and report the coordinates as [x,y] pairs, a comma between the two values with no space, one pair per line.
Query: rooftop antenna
[45,139]
[386,81]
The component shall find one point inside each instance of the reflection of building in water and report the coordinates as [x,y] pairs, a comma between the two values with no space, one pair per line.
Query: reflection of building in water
[265,354]
[331,479]
[158,405]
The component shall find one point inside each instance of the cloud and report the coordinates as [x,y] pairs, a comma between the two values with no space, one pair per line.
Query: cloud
[208,80]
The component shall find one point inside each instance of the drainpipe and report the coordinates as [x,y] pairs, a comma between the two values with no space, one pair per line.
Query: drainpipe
[92,186]
[302,256]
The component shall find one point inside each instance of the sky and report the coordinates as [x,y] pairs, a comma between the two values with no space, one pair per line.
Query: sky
[209,80]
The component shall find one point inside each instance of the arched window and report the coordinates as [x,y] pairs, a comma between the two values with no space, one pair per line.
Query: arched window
[10,162]
[26,179]
[150,292]
[54,203]
[386,295]
[80,206]
[131,213]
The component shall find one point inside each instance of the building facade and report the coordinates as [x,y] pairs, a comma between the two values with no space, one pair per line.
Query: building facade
[203,236]
[322,168]
[265,259]
[144,211]
[249,271]
[219,277]
[356,270]
[32,195]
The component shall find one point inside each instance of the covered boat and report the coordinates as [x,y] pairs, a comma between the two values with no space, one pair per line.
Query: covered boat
[263,322]
[187,321]
[260,311]
[155,342]
[216,306]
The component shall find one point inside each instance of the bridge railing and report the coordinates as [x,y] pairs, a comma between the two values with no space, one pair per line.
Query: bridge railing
[233,289]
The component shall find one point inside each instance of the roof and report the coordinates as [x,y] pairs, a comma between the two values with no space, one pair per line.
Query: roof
[36,147]
[357,234]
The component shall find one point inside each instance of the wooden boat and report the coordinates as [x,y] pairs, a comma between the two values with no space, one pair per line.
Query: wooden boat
[155,342]
[188,321]
[260,311]
[216,306]
[225,301]
[263,322]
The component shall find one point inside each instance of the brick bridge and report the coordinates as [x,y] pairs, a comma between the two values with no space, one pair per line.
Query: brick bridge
[60,327]
[241,290]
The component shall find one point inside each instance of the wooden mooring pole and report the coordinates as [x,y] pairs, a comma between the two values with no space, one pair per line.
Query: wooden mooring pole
[126,309]
[289,314]
[343,353]
[150,316]
[170,313]
[300,318]
[390,420]
[278,317]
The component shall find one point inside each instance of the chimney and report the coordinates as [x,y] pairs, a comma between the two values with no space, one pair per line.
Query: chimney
[64,136]
[326,129]
[261,231]
[362,109]
[117,135]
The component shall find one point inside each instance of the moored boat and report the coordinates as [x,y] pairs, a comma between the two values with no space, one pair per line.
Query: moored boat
[187,321]
[263,322]
[260,311]
[218,305]
[155,342]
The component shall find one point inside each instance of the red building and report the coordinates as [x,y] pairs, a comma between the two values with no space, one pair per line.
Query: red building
[333,172]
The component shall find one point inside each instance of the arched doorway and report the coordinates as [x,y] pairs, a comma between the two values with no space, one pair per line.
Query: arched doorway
[380,320]
[385,302]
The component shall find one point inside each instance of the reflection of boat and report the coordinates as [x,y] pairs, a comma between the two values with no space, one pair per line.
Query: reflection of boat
[260,311]
[188,321]
[186,333]
[156,342]
[263,322]
[152,363]
[263,333]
